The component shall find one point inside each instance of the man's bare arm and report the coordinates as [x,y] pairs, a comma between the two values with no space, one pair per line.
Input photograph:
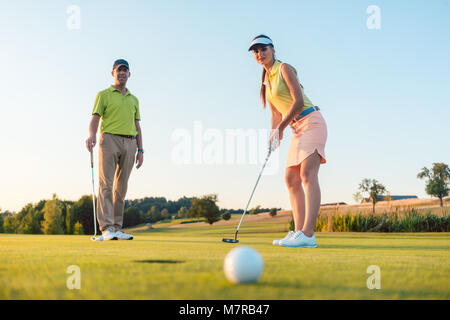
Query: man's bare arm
[93,127]
[140,155]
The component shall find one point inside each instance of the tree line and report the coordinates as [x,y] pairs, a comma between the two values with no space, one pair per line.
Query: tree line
[53,216]
[56,216]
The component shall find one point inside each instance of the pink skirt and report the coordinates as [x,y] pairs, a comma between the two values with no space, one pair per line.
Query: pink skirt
[308,135]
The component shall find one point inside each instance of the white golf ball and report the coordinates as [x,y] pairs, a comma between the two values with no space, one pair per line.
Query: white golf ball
[243,265]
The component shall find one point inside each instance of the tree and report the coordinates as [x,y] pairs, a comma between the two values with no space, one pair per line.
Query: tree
[78,228]
[357,197]
[83,212]
[255,210]
[153,215]
[10,224]
[131,217]
[69,226]
[438,179]
[273,212]
[53,219]
[192,212]
[29,224]
[160,203]
[205,207]
[65,211]
[374,189]
[181,213]
[165,215]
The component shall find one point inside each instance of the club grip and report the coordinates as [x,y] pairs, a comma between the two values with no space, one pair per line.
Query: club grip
[92,159]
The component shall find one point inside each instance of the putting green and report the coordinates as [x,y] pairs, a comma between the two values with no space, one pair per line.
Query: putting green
[187,263]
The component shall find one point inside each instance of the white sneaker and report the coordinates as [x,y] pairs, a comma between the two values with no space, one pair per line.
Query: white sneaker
[299,239]
[123,236]
[108,235]
[277,242]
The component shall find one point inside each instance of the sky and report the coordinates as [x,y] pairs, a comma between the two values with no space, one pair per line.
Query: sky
[381,79]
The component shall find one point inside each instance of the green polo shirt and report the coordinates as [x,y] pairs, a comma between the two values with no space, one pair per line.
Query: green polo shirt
[117,111]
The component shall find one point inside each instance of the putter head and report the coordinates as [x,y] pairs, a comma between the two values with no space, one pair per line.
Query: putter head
[96,239]
[230,240]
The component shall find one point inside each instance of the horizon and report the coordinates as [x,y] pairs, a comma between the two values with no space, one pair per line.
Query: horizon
[363,202]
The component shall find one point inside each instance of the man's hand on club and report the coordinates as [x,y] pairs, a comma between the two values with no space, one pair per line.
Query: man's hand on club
[90,143]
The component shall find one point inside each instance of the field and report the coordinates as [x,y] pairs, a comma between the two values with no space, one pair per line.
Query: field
[430,205]
[173,261]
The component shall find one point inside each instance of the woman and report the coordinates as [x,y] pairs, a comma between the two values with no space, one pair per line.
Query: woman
[290,106]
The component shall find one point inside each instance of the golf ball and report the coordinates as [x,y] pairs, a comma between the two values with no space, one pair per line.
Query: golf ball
[243,265]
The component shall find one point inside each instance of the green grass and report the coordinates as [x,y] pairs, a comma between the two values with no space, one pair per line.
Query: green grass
[187,263]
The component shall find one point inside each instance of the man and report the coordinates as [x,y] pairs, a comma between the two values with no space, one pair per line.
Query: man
[120,137]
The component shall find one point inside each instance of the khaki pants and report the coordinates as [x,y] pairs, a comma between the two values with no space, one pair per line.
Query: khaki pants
[116,158]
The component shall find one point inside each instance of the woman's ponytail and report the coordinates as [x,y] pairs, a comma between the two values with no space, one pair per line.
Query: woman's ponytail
[262,93]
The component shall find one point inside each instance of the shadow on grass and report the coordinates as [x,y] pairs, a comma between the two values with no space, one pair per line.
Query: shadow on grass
[160,261]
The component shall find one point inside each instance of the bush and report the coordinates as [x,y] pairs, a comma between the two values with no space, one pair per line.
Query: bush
[78,228]
[273,212]
[226,215]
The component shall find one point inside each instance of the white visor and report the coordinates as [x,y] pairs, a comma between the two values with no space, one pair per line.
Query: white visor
[261,40]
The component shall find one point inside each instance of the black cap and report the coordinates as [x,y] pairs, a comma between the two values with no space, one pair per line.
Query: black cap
[121,62]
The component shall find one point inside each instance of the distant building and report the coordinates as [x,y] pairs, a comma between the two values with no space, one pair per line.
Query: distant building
[334,204]
[383,198]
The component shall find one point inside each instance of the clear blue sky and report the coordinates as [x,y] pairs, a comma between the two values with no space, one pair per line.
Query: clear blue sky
[383,93]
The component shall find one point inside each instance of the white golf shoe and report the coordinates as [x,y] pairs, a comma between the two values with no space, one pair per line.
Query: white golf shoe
[289,235]
[108,235]
[300,240]
[123,236]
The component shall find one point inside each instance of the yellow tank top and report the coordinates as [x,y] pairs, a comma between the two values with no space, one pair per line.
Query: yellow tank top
[277,92]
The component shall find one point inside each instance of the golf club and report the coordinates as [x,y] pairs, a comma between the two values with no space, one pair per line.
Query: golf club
[235,240]
[94,238]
